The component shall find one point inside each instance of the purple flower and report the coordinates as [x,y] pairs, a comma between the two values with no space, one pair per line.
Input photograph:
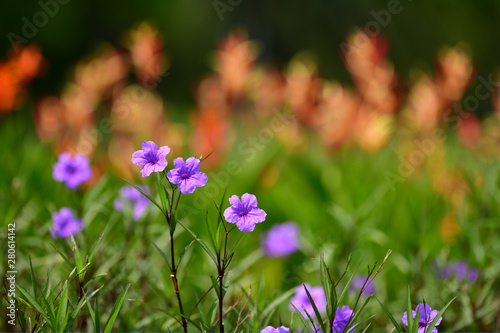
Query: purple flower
[302,303]
[461,270]
[65,224]
[245,212]
[73,171]
[186,175]
[342,317]
[426,316]
[358,282]
[281,240]
[270,329]
[130,196]
[151,158]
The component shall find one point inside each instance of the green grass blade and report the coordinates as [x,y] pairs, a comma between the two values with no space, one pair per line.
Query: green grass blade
[116,310]
[304,321]
[439,315]
[409,314]
[162,254]
[201,242]
[63,307]
[163,193]
[316,312]
[391,317]
[145,194]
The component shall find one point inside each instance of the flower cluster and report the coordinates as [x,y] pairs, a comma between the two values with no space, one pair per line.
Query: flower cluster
[72,171]
[281,240]
[65,224]
[426,316]
[461,270]
[131,196]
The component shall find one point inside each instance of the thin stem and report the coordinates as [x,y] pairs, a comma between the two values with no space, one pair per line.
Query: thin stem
[173,275]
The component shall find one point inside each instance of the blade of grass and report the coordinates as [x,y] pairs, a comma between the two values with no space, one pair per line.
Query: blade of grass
[116,310]
[391,317]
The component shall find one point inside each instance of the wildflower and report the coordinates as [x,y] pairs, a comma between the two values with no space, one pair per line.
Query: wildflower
[426,316]
[302,303]
[73,171]
[461,270]
[281,240]
[151,158]
[130,195]
[65,224]
[186,175]
[358,282]
[342,317]
[270,329]
[244,212]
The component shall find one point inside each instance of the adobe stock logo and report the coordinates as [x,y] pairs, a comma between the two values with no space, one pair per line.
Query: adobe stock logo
[40,18]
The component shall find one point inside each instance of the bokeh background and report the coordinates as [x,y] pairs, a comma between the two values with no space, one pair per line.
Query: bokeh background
[390,141]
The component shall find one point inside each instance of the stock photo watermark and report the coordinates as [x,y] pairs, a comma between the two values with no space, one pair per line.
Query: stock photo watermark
[11,273]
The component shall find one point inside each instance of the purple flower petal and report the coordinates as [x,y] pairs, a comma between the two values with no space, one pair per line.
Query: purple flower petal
[72,171]
[151,158]
[244,213]
[186,175]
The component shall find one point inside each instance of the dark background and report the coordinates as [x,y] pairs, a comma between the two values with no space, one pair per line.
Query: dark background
[192,29]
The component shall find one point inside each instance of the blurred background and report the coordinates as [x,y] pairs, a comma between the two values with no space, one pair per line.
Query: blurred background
[371,124]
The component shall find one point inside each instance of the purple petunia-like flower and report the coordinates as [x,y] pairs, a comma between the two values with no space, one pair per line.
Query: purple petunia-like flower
[302,303]
[65,224]
[281,240]
[244,212]
[130,196]
[270,329]
[342,316]
[358,282]
[426,316]
[186,175]
[72,171]
[151,158]
[461,270]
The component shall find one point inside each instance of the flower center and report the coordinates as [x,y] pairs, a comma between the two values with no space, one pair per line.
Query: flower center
[70,168]
[151,156]
[184,176]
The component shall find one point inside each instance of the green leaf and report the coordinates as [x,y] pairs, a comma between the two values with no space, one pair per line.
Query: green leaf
[210,233]
[344,291]
[220,219]
[62,255]
[116,310]
[202,243]
[304,320]
[32,302]
[97,323]
[33,280]
[414,327]
[184,252]
[391,317]
[409,314]
[327,285]
[215,284]
[78,258]
[145,194]
[96,244]
[316,312]
[439,315]
[163,255]
[93,279]
[63,307]
[277,301]
[163,193]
